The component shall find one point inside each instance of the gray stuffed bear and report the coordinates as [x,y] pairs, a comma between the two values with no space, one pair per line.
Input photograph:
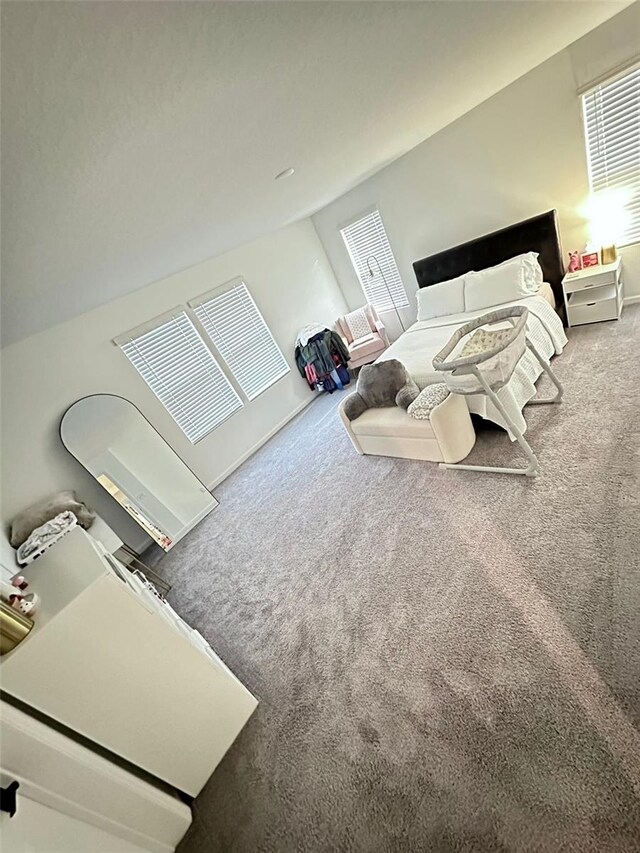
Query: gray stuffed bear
[386,383]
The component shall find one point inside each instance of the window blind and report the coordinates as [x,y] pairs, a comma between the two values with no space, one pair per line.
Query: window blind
[179,368]
[369,250]
[243,339]
[612,125]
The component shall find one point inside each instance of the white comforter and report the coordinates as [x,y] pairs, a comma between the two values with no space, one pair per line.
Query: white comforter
[418,345]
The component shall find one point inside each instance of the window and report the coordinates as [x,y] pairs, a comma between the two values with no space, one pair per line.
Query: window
[372,258]
[612,125]
[237,328]
[177,365]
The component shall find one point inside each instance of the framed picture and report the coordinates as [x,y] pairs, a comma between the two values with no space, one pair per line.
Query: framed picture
[589,259]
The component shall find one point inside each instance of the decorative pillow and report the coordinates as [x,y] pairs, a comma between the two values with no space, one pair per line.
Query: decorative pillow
[407,394]
[439,300]
[382,384]
[427,400]
[358,324]
[510,280]
[39,513]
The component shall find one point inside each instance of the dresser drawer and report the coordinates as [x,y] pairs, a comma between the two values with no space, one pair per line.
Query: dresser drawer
[592,312]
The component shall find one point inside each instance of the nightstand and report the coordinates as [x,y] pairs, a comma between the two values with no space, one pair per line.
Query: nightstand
[593,294]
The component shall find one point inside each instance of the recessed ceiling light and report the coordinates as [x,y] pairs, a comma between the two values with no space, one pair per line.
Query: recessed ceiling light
[285,174]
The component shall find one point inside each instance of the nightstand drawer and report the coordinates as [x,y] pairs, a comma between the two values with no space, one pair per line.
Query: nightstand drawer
[584,282]
[592,312]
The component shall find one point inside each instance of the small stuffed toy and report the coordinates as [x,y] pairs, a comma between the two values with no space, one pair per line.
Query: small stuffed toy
[379,385]
[574,262]
[25,604]
[14,593]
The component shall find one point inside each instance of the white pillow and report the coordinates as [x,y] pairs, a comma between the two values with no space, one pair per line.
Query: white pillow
[533,275]
[519,276]
[439,300]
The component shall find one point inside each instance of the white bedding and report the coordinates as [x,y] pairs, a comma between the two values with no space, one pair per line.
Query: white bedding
[424,339]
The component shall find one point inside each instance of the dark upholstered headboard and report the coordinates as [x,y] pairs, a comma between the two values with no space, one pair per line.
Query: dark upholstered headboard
[539,234]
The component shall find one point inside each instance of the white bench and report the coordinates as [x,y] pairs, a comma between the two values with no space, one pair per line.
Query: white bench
[447,436]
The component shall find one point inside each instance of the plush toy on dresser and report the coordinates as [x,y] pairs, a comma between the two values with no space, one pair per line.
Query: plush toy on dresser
[13,592]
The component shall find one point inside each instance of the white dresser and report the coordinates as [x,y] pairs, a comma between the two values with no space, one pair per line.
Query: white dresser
[594,294]
[71,800]
[111,661]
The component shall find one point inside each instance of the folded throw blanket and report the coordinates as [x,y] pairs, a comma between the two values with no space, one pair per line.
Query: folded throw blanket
[44,536]
[45,510]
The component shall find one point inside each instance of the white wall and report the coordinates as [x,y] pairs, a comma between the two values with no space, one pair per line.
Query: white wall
[518,154]
[292,282]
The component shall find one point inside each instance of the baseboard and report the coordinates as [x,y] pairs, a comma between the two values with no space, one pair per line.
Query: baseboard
[631,300]
[140,545]
[234,465]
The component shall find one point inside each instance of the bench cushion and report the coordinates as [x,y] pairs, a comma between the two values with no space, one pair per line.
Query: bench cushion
[391,421]
[369,346]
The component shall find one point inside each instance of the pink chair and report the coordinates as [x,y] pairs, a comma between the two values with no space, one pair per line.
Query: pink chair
[370,339]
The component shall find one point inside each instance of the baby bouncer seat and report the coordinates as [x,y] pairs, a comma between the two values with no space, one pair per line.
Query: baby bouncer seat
[479,360]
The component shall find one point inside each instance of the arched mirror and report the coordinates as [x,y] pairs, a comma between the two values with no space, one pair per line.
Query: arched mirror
[113,440]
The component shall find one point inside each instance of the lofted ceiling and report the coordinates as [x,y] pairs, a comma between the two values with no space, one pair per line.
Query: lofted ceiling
[140,138]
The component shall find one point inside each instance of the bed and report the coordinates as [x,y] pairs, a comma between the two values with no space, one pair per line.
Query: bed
[468,281]
[418,345]
[462,283]
[425,338]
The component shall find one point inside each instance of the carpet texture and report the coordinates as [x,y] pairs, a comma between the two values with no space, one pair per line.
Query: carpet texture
[445,661]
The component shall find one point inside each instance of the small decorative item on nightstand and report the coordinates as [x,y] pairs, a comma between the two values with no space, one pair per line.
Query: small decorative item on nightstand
[574,262]
[589,259]
[594,293]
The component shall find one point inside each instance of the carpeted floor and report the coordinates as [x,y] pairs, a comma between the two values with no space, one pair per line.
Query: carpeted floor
[445,661]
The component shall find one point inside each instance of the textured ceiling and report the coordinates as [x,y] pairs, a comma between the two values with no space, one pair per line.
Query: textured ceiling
[140,138]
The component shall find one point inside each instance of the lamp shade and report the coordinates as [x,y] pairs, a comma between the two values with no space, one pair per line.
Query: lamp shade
[607,215]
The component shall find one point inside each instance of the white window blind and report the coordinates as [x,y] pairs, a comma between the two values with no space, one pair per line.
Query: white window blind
[612,124]
[243,339]
[369,250]
[179,368]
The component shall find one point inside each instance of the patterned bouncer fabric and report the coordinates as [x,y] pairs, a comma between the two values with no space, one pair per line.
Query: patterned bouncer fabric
[483,340]
[371,339]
